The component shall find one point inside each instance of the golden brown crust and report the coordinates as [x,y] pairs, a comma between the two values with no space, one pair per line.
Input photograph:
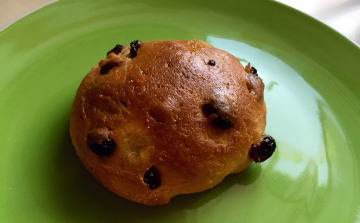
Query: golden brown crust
[152,108]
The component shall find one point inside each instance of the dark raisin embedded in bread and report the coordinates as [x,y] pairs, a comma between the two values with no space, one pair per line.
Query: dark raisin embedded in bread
[262,152]
[134,46]
[100,143]
[152,178]
[108,66]
[117,49]
[212,62]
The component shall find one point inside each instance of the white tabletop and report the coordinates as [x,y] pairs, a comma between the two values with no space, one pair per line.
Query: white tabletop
[342,15]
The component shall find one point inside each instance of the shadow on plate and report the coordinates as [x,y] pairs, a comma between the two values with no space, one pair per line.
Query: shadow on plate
[81,197]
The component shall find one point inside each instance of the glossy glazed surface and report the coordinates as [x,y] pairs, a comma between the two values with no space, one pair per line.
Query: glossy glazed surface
[312,78]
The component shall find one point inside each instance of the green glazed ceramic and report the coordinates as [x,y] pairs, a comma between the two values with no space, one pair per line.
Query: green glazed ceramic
[312,78]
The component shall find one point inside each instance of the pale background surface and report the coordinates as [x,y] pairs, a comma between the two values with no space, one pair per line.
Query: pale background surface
[342,15]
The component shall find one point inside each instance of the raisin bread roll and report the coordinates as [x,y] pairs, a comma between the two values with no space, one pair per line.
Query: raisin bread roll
[162,118]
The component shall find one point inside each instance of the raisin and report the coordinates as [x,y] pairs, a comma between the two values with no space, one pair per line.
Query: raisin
[263,151]
[250,69]
[152,178]
[255,86]
[211,62]
[254,71]
[208,109]
[108,66]
[102,148]
[117,49]
[219,121]
[134,46]
[222,122]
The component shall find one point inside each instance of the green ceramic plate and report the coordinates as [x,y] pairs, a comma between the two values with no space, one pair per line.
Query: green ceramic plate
[312,78]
